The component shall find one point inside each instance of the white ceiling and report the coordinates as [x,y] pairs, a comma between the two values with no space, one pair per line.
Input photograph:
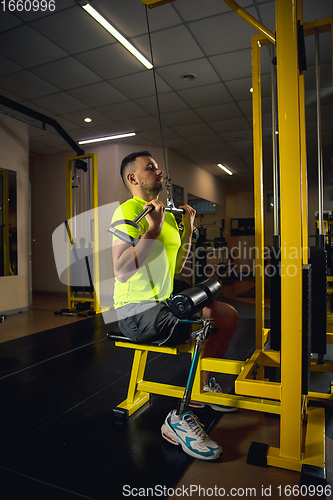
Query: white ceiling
[66,66]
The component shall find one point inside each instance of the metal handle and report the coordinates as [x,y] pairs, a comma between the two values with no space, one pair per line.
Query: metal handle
[175,210]
[150,208]
[144,212]
[129,239]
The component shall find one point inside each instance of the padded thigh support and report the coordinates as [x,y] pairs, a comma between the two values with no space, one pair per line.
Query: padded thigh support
[188,303]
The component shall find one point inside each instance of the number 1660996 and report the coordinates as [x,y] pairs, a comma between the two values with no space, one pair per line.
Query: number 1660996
[28,5]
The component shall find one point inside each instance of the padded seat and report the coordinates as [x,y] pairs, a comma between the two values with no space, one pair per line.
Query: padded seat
[118,336]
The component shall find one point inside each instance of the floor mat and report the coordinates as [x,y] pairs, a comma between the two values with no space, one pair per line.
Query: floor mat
[58,436]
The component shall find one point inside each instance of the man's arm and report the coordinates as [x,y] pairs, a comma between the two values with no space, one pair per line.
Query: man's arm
[188,222]
[128,259]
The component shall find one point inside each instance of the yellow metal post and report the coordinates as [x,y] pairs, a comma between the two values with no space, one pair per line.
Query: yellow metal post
[138,369]
[258,192]
[251,20]
[315,438]
[94,213]
[94,168]
[155,3]
[291,238]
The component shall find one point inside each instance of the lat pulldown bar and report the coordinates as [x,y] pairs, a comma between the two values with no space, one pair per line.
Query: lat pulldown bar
[135,223]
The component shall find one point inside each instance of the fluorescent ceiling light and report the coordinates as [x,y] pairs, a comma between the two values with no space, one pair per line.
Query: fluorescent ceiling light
[112,30]
[110,137]
[223,168]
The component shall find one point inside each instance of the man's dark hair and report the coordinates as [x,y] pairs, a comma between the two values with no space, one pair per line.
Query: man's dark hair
[127,165]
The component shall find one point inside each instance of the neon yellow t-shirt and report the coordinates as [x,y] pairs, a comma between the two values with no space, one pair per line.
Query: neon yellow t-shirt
[154,280]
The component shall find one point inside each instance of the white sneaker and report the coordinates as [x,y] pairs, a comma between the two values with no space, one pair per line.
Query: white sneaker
[213,386]
[186,430]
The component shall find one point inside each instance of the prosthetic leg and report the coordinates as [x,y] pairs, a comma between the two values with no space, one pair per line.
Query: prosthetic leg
[186,305]
[182,427]
[200,337]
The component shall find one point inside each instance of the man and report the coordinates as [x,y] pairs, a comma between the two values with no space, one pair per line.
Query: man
[144,281]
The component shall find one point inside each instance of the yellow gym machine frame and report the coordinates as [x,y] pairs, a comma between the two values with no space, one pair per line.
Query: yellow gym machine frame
[73,300]
[299,421]
[302,425]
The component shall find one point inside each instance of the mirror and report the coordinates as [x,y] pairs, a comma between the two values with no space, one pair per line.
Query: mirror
[8,223]
[210,243]
[209,221]
[200,205]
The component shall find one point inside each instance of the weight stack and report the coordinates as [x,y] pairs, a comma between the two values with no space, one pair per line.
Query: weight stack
[275,299]
[318,261]
[306,328]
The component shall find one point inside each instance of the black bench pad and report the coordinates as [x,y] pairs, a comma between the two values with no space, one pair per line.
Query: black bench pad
[117,336]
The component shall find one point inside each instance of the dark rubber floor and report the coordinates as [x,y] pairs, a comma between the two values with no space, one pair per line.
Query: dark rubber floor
[58,437]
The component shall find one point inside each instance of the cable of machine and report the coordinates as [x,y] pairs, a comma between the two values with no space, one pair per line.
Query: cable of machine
[170,201]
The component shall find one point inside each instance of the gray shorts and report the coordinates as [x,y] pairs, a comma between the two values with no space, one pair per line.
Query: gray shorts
[155,324]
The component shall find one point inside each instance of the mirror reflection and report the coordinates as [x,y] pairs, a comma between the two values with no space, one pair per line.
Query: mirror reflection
[209,247]
[200,205]
[8,223]
[209,220]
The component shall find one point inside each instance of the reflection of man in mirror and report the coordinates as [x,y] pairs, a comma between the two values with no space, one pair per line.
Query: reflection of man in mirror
[145,272]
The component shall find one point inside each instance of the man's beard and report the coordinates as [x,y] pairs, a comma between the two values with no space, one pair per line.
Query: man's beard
[151,190]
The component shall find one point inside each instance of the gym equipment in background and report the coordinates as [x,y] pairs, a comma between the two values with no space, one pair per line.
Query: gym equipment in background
[318,253]
[275,254]
[81,233]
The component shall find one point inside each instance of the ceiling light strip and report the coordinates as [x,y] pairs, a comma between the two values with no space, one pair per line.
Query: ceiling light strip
[109,138]
[223,168]
[112,30]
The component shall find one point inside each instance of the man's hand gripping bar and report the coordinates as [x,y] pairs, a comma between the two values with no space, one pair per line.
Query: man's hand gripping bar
[135,223]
